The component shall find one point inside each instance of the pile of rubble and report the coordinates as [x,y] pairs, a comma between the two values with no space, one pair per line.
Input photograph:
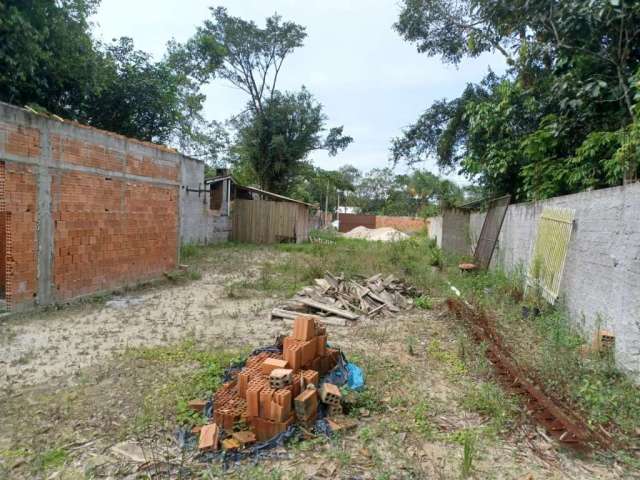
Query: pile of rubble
[337,301]
[275,390]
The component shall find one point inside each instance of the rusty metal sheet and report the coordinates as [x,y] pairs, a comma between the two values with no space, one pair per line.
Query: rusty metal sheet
[562,424]
[490,231]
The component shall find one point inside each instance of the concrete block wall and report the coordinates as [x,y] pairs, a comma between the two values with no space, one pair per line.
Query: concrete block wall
[601,282]
[199,224]
[85,210]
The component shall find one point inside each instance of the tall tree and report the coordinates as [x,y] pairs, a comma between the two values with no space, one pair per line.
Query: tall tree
[275,142]
[277,132]
[566,99]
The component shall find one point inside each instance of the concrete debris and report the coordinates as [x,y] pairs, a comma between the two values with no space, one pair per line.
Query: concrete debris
[336,301]
[385,234]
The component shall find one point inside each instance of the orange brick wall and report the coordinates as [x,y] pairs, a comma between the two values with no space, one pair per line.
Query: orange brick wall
[20,235]
[114,206]
[110,232]
[404,224]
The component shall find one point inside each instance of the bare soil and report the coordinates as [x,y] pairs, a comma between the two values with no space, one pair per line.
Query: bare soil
[73,386]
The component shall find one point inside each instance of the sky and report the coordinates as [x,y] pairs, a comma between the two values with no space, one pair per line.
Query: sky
[367,78]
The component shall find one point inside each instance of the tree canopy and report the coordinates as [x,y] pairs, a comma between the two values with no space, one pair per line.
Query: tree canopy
[564,116]
[49,60]
[278,130]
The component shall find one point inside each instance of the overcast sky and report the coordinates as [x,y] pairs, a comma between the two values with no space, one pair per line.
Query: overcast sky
[365,75]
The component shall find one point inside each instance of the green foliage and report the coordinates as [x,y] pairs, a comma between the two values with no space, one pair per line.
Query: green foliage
[489,399]
[278,130]
[274,141]
[559,121]
[423,302]
[50,459]
[468,452]
[50,61]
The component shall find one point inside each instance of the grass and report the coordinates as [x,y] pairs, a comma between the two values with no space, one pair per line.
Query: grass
[202,379]
[548,345]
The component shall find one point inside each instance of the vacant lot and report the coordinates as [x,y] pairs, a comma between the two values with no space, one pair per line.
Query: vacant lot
[86,377]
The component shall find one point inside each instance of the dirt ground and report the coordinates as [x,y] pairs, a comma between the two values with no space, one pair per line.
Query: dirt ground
[79,380]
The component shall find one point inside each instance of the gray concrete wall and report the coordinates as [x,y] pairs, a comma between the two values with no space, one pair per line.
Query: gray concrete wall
[435,229]
[455,231]
[601,282]
[198,224]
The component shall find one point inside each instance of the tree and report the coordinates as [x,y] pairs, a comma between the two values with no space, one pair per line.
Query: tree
[47,56]
[48,59]
[566,99]
[277,132]
[275,142]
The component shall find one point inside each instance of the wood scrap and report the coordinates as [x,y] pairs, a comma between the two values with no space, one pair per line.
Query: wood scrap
[333,297]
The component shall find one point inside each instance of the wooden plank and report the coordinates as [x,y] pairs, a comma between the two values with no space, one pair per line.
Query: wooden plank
[328,308]
[291,315]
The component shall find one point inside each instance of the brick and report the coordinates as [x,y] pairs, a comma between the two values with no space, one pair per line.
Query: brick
[272,363]
[243,381]
[309,350]
[330,394]
[293,355]
[197,405]
[304,328]
[244,437]
[306,404]
[310,377]
[266,395]
[321,345]
[280,378]
[209,437]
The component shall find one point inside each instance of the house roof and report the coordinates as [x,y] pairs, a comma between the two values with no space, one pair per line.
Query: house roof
[258,190]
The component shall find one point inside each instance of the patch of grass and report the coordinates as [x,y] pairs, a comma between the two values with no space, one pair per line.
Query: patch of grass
[49,459]
[423,302]
[468,440]
[188,252]
[491,400]
[446,357]
[548,346]
[198,383]
[422,421]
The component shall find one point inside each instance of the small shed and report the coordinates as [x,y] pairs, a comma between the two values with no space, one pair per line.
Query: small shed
[259,216]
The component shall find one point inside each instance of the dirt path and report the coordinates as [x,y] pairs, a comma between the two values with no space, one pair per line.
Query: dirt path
[46,345]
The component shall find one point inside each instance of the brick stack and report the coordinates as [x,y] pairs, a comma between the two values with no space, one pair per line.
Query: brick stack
[251,399]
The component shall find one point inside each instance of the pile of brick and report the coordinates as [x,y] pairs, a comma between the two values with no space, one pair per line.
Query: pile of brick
[274,390]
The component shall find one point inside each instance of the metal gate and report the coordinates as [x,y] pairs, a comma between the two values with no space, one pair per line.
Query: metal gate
[490,231]
[550,251]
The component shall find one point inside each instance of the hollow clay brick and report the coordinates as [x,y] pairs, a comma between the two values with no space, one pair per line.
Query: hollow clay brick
[304,328]
[330,394]
[209,437]
[321,345]
[271,364]
[306,404]
[280,378]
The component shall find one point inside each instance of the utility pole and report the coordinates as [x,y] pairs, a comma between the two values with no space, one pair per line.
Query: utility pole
[326,200]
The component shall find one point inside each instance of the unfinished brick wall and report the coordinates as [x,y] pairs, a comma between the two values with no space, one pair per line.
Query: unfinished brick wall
[404,224]
[110,231]
[19,236]
[85,210]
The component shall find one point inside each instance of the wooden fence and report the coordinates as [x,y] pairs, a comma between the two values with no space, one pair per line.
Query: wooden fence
[263,221]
